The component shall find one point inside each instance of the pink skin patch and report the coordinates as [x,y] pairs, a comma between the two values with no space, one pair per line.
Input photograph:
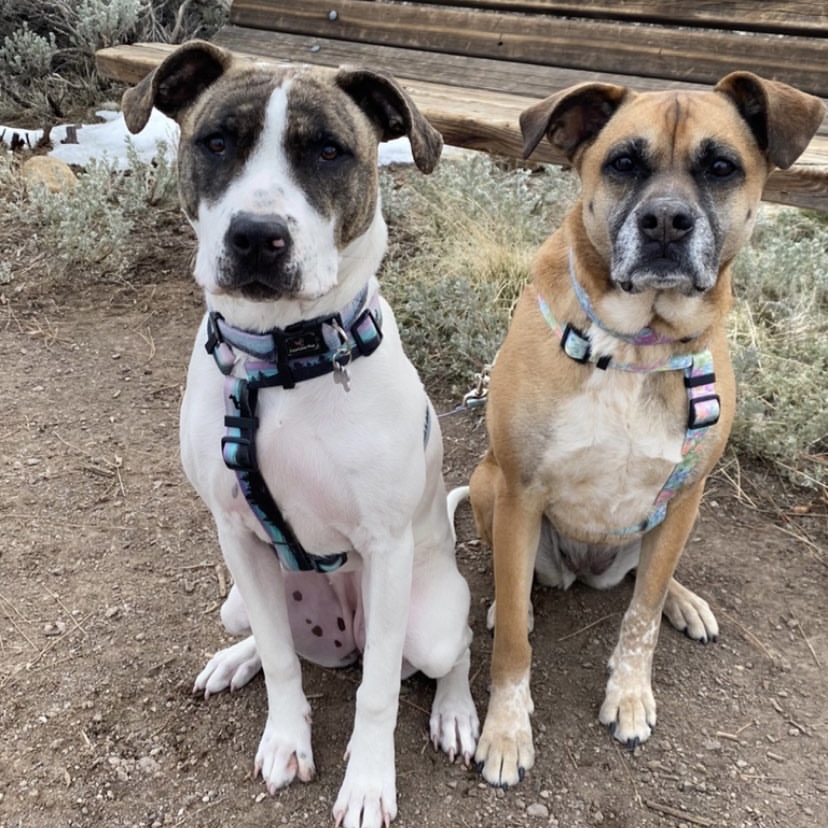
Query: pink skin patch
[327,618]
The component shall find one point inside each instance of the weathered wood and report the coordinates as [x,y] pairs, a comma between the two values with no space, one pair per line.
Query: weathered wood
[698,55]
[473,66]
[784,17]
[486,120]
[510,77]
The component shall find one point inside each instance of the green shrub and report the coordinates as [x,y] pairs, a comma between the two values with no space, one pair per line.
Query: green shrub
[88,225]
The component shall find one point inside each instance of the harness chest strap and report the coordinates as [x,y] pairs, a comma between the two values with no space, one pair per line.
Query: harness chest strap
[282,358]
[703,403]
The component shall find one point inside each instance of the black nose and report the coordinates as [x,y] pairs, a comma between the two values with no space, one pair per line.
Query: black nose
[258,242]
[665,220]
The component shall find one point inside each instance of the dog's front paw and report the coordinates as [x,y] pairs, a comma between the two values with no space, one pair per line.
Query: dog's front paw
[505,750]
[454,724]
[629,709]
[690,614]
[230,668]
[368,796]
[284,752]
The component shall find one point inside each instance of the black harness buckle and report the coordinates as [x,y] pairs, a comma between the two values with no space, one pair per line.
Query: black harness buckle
[575,344]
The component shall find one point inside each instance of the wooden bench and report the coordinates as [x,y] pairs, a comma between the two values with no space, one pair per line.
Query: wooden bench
[472,67]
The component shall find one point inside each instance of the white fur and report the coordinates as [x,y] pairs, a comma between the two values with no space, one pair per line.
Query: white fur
[638,447]
[349,470]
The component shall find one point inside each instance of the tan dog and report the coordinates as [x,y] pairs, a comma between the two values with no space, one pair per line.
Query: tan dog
[604,413]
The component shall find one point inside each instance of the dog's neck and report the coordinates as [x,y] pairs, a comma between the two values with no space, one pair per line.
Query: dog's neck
[652,316]
[359,262]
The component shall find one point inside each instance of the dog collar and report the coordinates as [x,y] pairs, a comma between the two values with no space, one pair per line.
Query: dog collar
[284,357]
[703,403]
[646,336]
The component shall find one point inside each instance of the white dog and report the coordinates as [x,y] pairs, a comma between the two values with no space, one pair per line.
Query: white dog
[304,427]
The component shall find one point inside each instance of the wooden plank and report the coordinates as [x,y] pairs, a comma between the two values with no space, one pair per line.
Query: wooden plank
[451,70]
[488,121]
[784,17]
[655,51]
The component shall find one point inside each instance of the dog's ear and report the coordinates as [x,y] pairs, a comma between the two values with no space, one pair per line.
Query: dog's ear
[175,83]
[390,107]
[782,119]
[570,118]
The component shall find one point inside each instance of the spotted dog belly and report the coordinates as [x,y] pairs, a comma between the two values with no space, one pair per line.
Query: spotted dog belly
[326,616]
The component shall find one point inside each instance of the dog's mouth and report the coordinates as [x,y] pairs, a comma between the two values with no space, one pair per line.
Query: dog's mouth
[663,268]
[662,274]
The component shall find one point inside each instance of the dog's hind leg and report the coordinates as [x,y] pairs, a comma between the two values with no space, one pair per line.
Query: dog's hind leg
[229,669]
[690,614]
[437,643]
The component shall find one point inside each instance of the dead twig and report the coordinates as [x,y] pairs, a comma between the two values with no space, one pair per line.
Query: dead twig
[684,816]
[587,627]
[807,643]
[752,638]
[67,611]
[734,737]
[636,795]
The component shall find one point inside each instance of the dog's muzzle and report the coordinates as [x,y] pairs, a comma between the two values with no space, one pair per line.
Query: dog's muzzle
[258,255]
[664,244]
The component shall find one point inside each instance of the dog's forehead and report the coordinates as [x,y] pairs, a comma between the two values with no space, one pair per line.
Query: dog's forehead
[240,97]
[676,124]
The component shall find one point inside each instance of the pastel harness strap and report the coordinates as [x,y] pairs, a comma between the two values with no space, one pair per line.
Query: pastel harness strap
[283,357]
[703,404]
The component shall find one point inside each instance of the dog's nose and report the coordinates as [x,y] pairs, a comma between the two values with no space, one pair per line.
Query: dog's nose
[665,220]
[258,241]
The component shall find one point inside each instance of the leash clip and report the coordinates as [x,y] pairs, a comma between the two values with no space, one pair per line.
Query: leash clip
[477,396]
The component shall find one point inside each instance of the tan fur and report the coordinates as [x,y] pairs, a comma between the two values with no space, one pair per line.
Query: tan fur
[572,443]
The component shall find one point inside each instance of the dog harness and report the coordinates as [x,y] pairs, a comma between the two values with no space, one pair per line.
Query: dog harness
[282,357]
[699,379]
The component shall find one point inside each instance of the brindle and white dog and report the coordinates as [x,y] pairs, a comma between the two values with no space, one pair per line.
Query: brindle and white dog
[613,394]
[278,175]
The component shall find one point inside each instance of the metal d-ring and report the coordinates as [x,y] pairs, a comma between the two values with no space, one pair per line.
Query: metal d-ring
[342,356]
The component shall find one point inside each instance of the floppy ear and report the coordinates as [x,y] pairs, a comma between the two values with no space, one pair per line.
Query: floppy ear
[570,118]
[390,107]
[782,119]
[175,83]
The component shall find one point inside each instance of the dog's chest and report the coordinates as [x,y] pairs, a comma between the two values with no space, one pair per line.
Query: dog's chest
[613,446]
[325,453]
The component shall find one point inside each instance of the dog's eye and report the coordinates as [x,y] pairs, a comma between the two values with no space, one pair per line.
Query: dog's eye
[216,143]
[623,164]
[722,168]
[329,152]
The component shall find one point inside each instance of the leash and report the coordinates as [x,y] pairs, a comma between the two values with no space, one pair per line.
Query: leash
[283,358]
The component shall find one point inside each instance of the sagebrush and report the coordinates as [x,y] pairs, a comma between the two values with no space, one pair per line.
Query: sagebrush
[47,49]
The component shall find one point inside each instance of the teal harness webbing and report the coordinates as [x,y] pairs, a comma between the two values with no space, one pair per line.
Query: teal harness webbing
[282,358]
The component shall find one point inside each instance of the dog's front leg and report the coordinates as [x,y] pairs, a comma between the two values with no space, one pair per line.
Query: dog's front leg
[368,796]
[284,752]
[629,707]
[505,750]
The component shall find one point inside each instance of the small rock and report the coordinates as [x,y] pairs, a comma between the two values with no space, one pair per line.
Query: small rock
[52,173]
[538,809]
[148,765]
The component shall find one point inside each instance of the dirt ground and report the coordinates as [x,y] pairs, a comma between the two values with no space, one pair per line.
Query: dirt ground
[111,581]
